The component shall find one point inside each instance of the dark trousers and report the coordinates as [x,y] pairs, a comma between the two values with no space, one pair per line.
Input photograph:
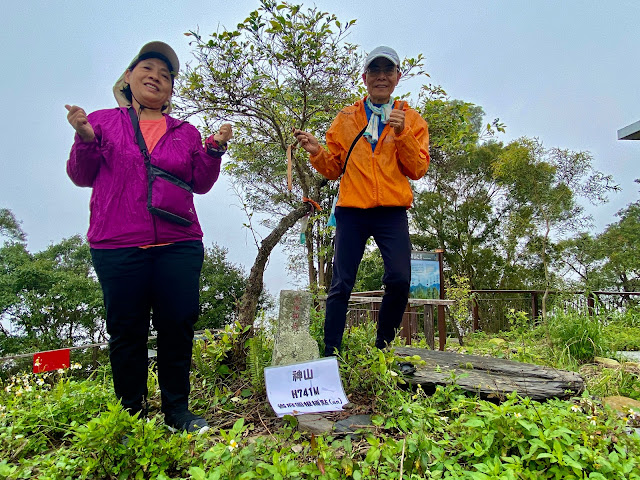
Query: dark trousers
[390,229]
[134,283]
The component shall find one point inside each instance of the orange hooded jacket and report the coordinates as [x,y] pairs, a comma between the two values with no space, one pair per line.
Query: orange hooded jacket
[374,178]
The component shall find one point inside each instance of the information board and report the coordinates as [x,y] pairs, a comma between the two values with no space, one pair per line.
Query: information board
[425,275]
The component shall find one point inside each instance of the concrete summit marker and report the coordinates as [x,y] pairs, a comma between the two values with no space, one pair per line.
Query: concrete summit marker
[293,342]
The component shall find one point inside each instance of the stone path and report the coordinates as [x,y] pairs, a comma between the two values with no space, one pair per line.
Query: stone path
[318,424]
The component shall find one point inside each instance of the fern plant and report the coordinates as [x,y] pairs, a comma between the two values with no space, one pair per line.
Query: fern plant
[256,362]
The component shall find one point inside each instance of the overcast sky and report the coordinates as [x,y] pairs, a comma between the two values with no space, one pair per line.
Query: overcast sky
[563,71]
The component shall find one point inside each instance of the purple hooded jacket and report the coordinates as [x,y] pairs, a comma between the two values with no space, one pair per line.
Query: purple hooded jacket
[114,167]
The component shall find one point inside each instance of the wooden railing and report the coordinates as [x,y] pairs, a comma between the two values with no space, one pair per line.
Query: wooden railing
[520,298]
[418,316]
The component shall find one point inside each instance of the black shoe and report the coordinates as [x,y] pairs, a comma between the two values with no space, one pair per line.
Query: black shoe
[331,351]
[407,368]
[140,412]
[186,422]
[140,406]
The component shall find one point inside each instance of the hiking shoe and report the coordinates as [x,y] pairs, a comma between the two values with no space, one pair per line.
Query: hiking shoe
[186,422]
[407,368]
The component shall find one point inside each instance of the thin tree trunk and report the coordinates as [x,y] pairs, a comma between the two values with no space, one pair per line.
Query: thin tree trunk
[320,271]
[249,300]
[545,264]
[313,273]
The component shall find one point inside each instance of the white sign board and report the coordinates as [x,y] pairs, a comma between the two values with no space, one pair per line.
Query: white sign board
[306,387]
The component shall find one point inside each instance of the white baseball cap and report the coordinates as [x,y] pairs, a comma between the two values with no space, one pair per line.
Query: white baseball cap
[384,52]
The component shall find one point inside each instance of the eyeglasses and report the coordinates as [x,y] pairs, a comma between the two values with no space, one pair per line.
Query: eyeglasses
[388,70]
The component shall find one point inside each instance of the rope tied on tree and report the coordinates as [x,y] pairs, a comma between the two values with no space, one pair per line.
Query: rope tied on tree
[304,221]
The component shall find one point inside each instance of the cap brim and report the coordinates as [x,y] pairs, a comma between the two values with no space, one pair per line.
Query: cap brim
[165,50]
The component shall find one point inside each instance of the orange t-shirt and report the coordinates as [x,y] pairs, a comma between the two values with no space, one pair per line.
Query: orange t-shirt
[152,131]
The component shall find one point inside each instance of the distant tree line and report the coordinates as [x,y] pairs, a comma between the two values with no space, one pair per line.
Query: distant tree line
[52,299]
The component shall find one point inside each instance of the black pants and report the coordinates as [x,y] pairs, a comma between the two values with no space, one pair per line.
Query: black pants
[390,229]
[135,282]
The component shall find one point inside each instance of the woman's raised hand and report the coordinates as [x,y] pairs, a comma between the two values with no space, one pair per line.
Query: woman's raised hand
[77,117]
[224,134]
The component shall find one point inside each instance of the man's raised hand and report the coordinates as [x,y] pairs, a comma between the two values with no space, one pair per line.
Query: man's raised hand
[396,118]
[307,141]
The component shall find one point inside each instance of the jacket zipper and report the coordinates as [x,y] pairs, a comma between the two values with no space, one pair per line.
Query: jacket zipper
[376,187]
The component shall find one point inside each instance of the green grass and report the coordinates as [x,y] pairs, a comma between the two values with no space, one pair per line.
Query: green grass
[59,426]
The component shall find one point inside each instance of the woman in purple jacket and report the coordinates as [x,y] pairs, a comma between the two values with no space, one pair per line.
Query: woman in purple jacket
[145,262]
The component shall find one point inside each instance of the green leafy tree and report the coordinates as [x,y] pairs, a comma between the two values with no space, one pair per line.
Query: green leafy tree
[52,299]
[458,205]
[283,67]
[10,227]
[222,285]
[370,272]
[12,257]
[57,300]
[620,248]
[459,290]
[546,185]
[13,254]
[582,257]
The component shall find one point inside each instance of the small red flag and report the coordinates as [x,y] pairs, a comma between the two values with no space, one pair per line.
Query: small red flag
[51,360]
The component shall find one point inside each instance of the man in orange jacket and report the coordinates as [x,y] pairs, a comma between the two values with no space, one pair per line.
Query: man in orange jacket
[375,192]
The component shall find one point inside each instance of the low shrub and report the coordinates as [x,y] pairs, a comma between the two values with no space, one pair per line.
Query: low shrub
[579,337]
